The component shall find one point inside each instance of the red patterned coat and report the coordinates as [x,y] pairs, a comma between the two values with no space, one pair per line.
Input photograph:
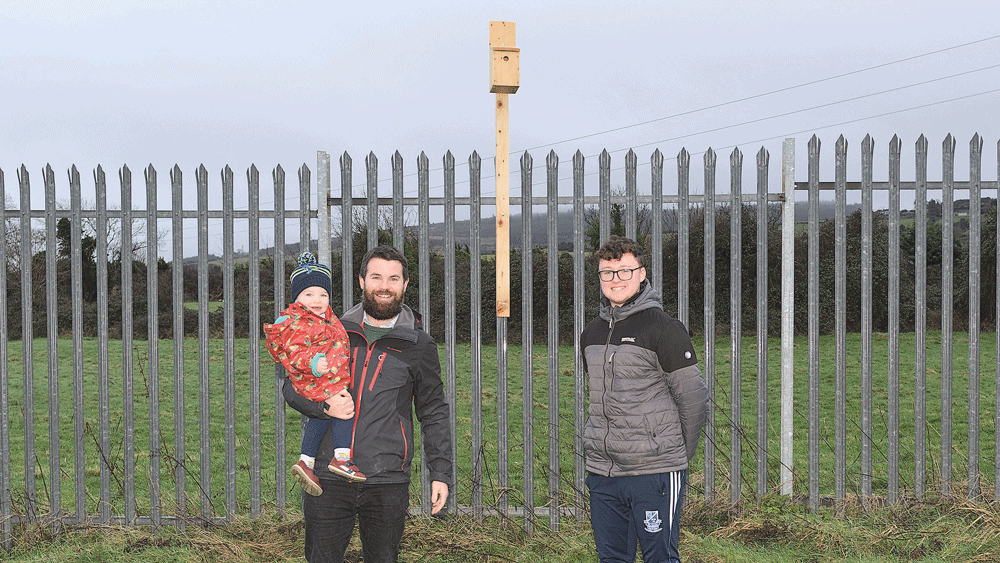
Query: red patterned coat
[298,339]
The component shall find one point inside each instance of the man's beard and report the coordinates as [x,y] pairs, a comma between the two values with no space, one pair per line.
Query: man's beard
[382,311]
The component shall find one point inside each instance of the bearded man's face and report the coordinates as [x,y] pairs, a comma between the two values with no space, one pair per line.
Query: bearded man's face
[383,288]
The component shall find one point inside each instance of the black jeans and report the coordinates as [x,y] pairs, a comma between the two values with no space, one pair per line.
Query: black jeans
[380,511]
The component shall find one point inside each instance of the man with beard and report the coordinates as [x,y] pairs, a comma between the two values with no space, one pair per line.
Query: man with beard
[396,371]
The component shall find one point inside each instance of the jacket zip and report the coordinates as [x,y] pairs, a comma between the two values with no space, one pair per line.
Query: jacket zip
[361,385]
[604,399]
[358,385]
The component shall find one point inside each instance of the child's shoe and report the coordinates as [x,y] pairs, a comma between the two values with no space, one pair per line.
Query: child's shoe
[307,478]
[348,470]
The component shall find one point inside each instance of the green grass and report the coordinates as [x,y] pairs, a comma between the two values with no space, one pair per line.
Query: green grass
[940,528]
[213,306]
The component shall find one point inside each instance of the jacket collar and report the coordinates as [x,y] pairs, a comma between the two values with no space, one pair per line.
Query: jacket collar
[645,298]
[406,323]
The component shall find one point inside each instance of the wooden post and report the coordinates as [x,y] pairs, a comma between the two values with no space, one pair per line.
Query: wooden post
[503,207]
[504,80]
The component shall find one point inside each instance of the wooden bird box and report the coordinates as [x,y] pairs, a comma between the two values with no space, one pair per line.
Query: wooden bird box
[505,59]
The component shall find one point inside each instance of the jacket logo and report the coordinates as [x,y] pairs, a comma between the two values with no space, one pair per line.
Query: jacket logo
[628,339]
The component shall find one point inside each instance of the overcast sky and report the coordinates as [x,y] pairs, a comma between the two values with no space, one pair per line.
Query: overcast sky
[188,82]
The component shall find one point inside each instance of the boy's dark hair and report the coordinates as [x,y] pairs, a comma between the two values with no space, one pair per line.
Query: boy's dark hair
[385,252]
[617,246]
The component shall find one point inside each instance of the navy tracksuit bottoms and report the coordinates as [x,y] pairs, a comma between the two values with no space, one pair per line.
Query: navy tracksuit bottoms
[646,508]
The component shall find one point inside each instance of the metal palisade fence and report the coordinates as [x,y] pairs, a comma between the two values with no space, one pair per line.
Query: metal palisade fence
[150,467]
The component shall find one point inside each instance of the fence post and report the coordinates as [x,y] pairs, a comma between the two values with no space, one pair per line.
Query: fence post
[325,256]
[787,311]
[6,540]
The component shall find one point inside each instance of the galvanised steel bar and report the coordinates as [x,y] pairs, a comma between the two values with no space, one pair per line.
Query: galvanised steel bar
[604,211]
[323,239]
[476,335]
[204,376]
[975,251]
[735,325]
[371,165]
[552,182]
[840,332]
[128,356]
[305,236]
[503,476]
[656,221]
[947,305]
[579,322]
[762,309]
[347,276]
[229,337]
[684,238]
[76,267]
[52,356]
[305,228]
[425,298]
[787,312]
[867,156]
[6,536]
[996,384]
[398,226]
[813,323]
[920,321]
[893,380]
[27,346]
[254,329]
[280,301]
[153,346]
[177,271]
[450,309]
[423,242]
[103,363]
[527,345]
[631,208]
[709,326]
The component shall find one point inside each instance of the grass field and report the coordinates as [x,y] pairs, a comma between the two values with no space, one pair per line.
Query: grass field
[939,528]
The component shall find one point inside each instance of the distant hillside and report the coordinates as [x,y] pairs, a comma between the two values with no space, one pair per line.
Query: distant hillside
[539,228]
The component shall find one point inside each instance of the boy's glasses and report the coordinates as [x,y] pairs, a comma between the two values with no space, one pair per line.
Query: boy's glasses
[623,275]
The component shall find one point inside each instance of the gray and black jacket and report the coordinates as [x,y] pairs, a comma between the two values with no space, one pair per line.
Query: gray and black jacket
[648,400]
[395,377]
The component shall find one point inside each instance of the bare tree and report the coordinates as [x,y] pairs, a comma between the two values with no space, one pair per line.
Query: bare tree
[140,238]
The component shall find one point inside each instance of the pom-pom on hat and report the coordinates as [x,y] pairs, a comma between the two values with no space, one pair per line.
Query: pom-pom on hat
[309,273]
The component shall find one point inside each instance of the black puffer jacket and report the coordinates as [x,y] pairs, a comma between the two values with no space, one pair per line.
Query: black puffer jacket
[394,376]
[648,401]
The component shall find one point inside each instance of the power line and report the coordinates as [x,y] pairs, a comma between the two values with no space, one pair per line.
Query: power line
[755,96]
[778,91]
[847,122]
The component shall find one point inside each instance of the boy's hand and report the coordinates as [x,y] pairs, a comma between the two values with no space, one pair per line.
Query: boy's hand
[322,366]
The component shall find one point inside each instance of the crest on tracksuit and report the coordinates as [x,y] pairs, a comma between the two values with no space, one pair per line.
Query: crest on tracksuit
[652,521]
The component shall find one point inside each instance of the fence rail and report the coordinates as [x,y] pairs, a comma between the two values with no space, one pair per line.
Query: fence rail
[486,485]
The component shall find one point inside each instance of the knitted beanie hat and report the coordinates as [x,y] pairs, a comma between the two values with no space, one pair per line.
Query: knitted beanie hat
[309,273]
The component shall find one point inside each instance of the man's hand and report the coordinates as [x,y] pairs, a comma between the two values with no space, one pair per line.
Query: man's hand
[341,406]
[439,495]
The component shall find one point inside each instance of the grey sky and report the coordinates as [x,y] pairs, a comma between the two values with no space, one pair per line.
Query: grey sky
[239,82]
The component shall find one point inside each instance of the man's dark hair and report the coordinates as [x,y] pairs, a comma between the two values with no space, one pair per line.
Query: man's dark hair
[617,246]
[385,252]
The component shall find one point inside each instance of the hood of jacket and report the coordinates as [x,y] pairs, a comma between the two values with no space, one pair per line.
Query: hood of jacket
[645,298]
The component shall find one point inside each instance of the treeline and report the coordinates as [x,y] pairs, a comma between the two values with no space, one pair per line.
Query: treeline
[435,313]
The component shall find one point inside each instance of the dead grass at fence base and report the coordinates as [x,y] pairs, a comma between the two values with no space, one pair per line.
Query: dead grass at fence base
[950,529]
